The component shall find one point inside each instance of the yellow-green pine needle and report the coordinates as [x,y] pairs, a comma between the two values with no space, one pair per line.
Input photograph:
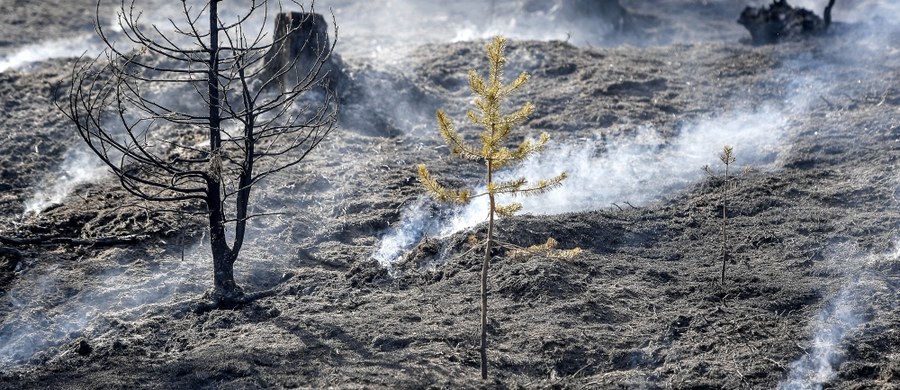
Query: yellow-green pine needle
[440,192]
[516,84]
[508,210]
[543,186]
[454,139]
[550,244]
[508,187]
[476,83]
[565,253]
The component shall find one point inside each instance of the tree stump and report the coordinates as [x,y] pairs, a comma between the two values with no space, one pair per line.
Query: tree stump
[301,52]
[779,22]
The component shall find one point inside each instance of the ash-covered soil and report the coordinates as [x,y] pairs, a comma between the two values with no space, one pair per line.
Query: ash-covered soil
[811,286]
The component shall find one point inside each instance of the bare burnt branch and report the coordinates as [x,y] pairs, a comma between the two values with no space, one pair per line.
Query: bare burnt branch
[203,113]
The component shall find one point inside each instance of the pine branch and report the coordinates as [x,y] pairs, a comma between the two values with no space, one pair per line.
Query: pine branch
[547,249]
[543,186]
[508,210]
[440,192]
[454,140]
[516,84]
[476,83]
[507,187]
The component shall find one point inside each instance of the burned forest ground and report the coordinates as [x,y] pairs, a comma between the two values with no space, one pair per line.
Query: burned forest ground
[96,290]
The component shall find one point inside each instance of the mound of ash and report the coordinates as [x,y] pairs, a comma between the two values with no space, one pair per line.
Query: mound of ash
[781,22]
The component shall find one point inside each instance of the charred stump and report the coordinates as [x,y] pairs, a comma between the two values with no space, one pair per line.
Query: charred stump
[302,50]
[780,22]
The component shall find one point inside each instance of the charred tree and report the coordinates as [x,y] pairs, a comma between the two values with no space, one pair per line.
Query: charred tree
[195,115]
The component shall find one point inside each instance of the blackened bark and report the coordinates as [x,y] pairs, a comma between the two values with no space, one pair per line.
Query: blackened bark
[224,287]
[245,182]
[827,13]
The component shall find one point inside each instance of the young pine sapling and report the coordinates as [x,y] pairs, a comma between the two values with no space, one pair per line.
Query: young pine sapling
[497,127]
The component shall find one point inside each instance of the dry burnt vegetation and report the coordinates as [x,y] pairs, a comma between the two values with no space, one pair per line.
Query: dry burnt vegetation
[641,307]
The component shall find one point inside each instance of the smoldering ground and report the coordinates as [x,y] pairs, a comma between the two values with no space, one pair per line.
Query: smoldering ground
[641,308]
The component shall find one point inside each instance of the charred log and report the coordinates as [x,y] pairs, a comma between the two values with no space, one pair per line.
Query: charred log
[780,22]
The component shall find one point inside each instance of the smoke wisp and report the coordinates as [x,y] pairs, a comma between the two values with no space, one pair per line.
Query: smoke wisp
[842,318]
[833,325]
[42,311]
[29,54]
[79,166]
[640,168]
[415,221]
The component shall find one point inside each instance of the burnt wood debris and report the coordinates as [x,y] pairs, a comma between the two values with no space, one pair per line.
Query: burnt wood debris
[781,22]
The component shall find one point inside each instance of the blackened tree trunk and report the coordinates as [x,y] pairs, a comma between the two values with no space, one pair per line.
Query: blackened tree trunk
[827,13]
[224,286]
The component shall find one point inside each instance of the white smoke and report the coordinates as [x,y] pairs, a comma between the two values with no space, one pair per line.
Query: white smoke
[850,11]
[415,221]
[43,311]
[833,325]
[367,35]
[79,166]
[60,48]
[635,169]
[841,319]
[160,14]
